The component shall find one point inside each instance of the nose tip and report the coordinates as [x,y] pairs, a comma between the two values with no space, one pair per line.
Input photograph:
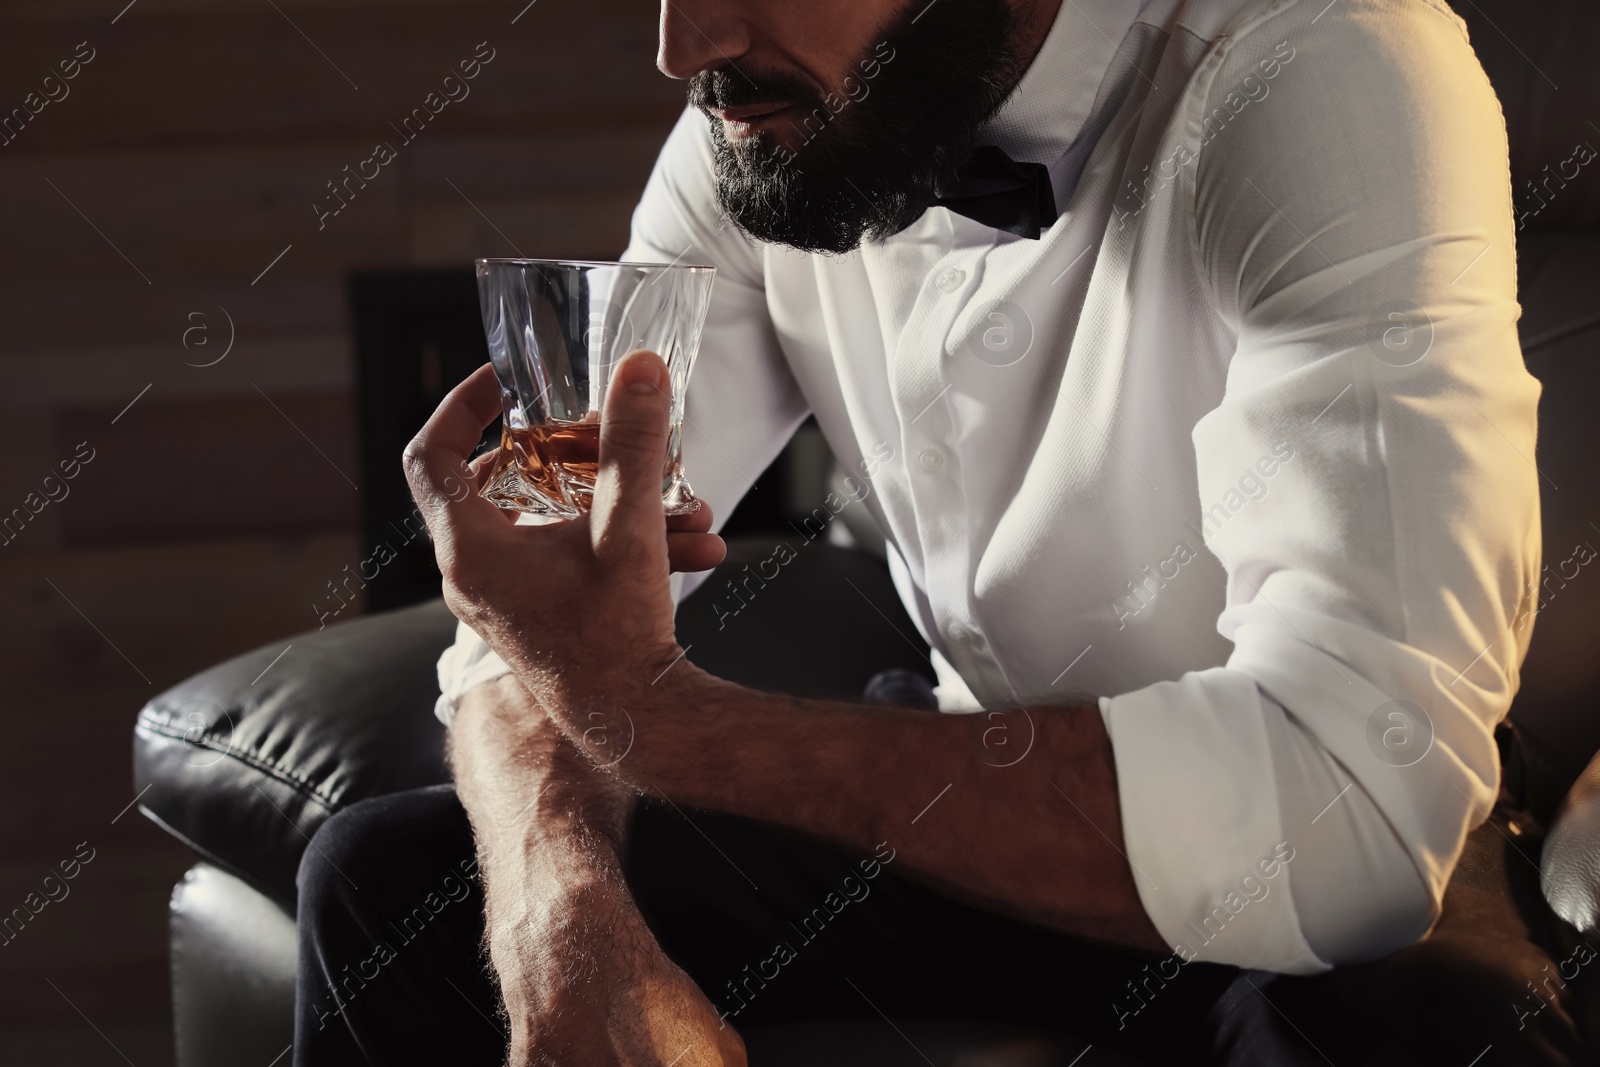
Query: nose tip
[697,40]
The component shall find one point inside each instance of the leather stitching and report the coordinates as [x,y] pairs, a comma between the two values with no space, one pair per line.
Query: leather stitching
[149,722]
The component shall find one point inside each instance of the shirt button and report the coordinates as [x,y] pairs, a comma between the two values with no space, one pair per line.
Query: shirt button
[963,634]
[930,460]
[949,279]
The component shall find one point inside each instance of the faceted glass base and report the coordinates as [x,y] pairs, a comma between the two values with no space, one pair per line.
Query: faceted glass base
[508,487]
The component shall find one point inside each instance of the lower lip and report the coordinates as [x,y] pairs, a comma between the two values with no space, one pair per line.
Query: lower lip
[737,129]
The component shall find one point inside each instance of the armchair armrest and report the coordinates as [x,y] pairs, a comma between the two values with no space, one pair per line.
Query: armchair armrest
[1569,867]
[245,760]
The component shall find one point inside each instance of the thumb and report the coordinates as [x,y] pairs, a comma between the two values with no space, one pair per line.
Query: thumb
[633,451]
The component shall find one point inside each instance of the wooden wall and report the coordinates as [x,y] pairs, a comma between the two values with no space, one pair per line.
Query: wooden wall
[150,200]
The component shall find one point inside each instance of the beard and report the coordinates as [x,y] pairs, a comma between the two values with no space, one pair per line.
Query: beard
[876,149]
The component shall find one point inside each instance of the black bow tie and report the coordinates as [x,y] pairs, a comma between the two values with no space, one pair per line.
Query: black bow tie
[996,190]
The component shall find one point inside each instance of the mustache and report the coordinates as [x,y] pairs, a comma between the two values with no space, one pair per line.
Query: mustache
[728,87]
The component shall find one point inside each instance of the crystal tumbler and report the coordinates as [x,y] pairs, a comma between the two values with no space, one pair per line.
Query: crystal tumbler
[556,330]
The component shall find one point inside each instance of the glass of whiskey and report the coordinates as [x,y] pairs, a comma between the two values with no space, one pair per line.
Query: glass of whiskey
[556,330]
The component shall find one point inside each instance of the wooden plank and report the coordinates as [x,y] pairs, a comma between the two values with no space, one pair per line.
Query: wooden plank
[531,165]
[202,224]
[112,375]
[197,468]
[172,609]
[246,74]
[28,441]
[97,11]
[571,226]
[218,214]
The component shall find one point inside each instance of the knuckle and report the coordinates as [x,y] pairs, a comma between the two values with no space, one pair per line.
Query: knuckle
[638,426]
[414,459]
[450,570]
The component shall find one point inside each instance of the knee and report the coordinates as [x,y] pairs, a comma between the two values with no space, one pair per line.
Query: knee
[371,844]
[339,854]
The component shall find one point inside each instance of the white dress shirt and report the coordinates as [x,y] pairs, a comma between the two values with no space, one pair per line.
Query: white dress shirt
[1242,447]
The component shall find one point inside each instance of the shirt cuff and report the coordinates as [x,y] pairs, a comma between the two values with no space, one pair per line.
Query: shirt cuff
[1200,819]
[467,663]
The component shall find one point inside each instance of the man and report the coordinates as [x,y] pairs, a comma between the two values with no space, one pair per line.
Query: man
[1172,347]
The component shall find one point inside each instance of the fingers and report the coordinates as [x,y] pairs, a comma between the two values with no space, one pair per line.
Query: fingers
[694,522]
[691,546]
[437,459]
[480,467]
[695,551]
[633,451]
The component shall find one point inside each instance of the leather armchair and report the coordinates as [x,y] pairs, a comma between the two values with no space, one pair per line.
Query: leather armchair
[1569,869]
[244,767]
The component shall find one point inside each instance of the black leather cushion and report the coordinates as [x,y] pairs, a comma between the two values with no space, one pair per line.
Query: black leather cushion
[233,967]
[245,769]
[1569,866]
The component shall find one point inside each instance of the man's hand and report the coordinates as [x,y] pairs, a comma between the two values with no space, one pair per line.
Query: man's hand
[581,609]
[582,612]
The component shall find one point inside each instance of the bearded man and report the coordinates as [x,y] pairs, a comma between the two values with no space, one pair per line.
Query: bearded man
[1174,341]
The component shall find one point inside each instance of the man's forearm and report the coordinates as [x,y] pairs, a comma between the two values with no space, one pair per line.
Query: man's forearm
[1017,810]
[549,828]
[581,977]
[524,785]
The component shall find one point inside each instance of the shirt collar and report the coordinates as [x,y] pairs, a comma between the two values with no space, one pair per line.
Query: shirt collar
[1047,109]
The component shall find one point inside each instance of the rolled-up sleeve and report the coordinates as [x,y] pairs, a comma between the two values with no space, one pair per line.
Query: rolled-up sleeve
[1355,226]
[742,405]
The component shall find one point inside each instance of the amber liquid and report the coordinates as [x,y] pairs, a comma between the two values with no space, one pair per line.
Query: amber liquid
[559,458]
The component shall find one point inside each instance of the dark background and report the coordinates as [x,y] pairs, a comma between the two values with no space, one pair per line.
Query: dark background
[148,202]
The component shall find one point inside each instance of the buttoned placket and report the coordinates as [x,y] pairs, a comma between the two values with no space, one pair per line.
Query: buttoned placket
[921,383]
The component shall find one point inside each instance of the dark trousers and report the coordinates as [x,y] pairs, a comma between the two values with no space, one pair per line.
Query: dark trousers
[392,969]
